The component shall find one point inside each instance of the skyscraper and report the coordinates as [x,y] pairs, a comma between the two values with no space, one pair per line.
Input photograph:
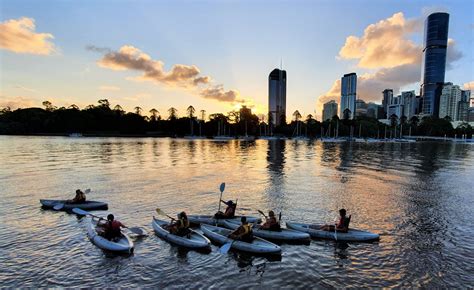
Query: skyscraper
[387,100]
[348,96]
[449,101]
[329,110]
[434,61]
[277,97]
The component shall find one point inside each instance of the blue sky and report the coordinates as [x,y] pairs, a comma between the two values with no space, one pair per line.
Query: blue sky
[236,43]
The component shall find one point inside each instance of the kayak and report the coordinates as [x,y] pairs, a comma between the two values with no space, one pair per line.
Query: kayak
[351,236]
[194,241]
[210,220]
[122,245]
[282,235]
[88,205]
[257,246]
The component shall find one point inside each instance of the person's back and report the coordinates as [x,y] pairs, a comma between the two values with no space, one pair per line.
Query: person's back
[243,232]
[182,224]
[80,197]
[230,210]
[112,228]
[271,223]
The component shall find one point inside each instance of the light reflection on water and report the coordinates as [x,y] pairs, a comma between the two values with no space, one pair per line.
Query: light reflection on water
[418,196]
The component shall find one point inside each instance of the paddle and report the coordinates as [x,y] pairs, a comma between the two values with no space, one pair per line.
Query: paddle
[136,230]
[335,229]
[261,212]
[60,206]
[226,247]
[222,187]
[160,212]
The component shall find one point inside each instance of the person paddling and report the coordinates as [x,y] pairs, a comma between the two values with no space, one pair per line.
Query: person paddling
[229,211]
[180,227]
[243,232]
[341,226]
[271,222]
[111,228]
[79,198]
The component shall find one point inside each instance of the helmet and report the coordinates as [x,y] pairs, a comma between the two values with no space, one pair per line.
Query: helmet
[271,213]
[110,217]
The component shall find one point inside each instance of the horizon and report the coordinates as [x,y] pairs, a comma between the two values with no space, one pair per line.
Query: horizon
[74,55]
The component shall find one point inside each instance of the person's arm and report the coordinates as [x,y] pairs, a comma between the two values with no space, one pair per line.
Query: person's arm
[224,202]
[123,226]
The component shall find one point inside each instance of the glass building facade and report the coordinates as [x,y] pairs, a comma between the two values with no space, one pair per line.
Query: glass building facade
[277,97]
[434,62]
[348,96]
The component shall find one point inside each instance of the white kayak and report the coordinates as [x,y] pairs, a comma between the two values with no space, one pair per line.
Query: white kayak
[87,205]
[351,236]
[122,245]
[282,235]
[210,220]
[257,246]
[195,240]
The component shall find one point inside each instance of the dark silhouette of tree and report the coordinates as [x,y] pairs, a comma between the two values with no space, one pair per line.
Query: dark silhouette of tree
[49,106]
[138,110]
[346,114]
[393,120]
[154,114]
[104,103]
[173,113]
[203,115]
[190,110]
[73,107]
[118,108]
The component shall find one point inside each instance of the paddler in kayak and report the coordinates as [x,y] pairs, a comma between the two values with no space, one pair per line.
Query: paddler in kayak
[79,198]
[243,232]
[271,223]
[341,226]
[180,227]
[111,228]
[229,211]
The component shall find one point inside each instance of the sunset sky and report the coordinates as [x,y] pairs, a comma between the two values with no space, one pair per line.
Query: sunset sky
[216,55]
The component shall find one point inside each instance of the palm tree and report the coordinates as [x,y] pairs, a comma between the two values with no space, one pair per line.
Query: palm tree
[154,113]
[297,115]
[173,113]
[346,114]
[191,112]
[203,115]
[118,108]
[74,107]
[138,110]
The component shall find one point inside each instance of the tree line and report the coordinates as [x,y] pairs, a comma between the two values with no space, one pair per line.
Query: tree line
[102,119]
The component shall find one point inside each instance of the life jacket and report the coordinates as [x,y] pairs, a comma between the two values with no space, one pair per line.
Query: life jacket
[230,210]
[247,229]
[183,223]
[113,227]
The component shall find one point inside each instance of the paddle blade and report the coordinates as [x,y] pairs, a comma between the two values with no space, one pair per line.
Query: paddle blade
[79,211]
[261,212]
[58,206]
[159,211]
[222,186]
[225,248]
[138,231]
[87,190]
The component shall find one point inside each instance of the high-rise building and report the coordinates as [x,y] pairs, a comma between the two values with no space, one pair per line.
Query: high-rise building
[395,108]
[410,104]
[329,110]
[449,101]
[361,108]
[386,101]
[372,110]
[434,61]
[348,96]
[277,97]
[463,107]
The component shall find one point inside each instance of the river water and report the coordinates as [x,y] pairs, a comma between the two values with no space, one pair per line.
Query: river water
[418,196]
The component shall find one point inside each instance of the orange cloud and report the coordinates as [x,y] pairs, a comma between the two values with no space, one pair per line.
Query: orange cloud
[180,75]
[469,86]
[18,35]
[16,102]
[384,44]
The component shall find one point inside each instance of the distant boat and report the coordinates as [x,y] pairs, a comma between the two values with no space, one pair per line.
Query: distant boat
[333,140]
[75,135]
[223,138]
[189,137]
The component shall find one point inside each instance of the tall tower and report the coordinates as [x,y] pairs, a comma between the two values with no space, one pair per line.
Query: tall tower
[434,62]
[277,97]
[348,96]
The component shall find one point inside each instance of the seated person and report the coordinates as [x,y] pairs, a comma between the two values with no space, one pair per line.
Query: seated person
[180,227]
[79,198]
[229,211]
[110,229]
[271,222]
[341,226]
[243,232]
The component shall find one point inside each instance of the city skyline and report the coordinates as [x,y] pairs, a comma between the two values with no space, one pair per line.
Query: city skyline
[81,62]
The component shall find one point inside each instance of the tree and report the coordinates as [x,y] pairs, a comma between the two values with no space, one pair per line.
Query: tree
[73,107]
[154,114]
[309,118]
[393,120]
[190,111]
[297,115]
[173,113]
[233,116]
[48,106]
[346,114]
[203,115]
[414,121]
[118,108]
[138,110]
[104,103]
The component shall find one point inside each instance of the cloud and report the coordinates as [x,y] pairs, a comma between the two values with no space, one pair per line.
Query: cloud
[384,44]
[18,35]
[16,102]
[137,97]
[180,75]
[469,86]
[109,88]
[394,59]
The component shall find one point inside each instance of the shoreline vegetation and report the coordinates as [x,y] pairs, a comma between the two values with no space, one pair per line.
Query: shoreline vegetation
[103,121]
